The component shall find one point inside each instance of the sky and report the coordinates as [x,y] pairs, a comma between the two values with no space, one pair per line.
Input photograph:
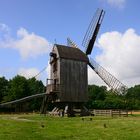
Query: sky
[29,28]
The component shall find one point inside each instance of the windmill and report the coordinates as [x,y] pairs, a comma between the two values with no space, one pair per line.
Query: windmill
[67,87]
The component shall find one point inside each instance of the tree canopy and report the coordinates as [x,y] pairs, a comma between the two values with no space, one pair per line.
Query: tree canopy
[99,97]
[3,88]
[19,87]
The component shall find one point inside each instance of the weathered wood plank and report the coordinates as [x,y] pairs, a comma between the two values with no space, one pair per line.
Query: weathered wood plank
[72,77]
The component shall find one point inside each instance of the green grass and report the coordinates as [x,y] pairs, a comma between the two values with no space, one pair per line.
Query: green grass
[30,127]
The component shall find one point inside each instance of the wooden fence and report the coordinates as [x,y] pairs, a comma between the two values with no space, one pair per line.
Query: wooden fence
[110,112]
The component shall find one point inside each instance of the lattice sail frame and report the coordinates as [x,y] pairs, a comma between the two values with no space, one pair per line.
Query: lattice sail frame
[70,43]
[108,78]
[92,31]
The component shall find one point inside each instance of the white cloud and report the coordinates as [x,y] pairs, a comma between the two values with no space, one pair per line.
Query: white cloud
[116,3]
[4,33]
[31,45]
[28,73]
[120,55]
[28,44]
[4,27]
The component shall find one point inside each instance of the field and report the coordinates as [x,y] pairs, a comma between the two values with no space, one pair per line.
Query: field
[36,127]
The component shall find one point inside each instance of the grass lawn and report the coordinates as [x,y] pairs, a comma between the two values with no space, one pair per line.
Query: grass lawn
[36,127]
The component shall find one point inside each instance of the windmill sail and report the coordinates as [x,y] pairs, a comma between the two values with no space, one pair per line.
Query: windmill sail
[108,78]
[70,43]
[92,31]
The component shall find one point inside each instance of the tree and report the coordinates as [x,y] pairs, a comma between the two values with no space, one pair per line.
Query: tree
[3,87]
[114,101]
[35,87]
[133,92]
[18,88]
[96,93]
[133,97]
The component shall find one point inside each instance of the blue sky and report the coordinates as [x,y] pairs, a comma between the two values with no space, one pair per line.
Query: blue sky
[29,27]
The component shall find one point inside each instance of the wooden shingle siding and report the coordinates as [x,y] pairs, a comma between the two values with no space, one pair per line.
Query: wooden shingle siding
[73,78]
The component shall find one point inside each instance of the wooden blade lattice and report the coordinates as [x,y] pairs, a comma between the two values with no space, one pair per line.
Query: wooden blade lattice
[70,43]
[91,34]
[108,78]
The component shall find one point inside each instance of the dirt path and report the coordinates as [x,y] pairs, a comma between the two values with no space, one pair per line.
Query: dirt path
[20,119]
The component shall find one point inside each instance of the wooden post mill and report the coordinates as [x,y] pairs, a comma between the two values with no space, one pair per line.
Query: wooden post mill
[68,78]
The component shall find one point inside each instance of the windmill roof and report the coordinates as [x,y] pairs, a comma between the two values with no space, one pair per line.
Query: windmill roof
[71,53]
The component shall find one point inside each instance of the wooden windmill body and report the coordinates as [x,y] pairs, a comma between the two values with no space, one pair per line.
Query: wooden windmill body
[68,78]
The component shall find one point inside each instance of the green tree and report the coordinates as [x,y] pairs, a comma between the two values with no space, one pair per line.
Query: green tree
[96,96]
[133,97]
[35,87]
[133,92]
[18,88]
[100,98]
[114,101]
[3,87]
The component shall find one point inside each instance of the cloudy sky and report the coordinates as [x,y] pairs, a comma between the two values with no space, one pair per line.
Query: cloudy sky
[28,29]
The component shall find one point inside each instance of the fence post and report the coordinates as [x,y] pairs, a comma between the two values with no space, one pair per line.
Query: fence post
[111,113]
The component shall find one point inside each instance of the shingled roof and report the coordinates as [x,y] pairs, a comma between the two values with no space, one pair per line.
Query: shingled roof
[71,53]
